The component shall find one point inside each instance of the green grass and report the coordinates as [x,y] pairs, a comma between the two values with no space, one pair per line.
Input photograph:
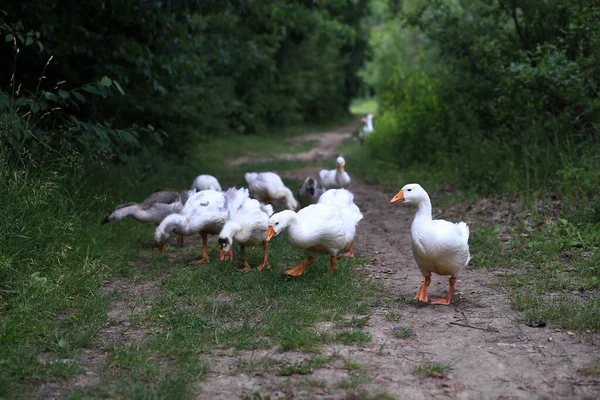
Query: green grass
[305,367]
[352,382]
[402,333]
[592,370]
[56,256]
[431,370]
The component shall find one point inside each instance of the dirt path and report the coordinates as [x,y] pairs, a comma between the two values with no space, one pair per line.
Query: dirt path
[491,353]
[328,142]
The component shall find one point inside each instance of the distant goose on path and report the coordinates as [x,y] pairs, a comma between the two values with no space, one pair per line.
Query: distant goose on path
[335,178]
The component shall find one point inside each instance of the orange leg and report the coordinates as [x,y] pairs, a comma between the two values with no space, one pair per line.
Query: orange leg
[264,263]
[180,241]
[332,261]
[246,266]
[205,257]
[299,269]
[350,252]
[422,293]
[446,300]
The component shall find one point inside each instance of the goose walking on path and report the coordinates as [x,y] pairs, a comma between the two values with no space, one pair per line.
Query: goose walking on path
[335,178]
[318,228]
[438,246]
[344,200]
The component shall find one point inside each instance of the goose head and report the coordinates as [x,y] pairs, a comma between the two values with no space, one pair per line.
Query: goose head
[290,202]
[225,243]
[340,163]
[279,221]
[411,193]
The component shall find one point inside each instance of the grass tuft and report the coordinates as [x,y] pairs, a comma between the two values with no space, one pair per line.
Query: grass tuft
[431,370]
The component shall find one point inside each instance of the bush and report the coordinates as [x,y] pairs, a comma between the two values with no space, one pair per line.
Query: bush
[504,94]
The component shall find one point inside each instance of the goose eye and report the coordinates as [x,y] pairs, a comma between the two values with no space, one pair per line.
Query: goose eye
[409,190]
[276,223]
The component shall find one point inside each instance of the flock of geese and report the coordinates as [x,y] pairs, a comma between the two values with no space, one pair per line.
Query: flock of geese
[326,222]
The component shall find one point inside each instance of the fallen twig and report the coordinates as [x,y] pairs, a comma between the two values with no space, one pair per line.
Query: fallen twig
[475,327]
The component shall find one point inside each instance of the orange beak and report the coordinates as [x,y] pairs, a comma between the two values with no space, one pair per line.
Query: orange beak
[340,167]
[222,254]
[161,247]
[398,197]
[270,233]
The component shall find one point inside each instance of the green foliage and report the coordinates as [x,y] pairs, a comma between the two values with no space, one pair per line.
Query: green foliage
[503,93]
[196,69]
[38,124]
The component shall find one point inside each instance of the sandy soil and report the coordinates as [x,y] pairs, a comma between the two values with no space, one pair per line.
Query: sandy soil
[491,352]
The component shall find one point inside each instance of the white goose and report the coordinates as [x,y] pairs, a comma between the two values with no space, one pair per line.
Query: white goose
[438,246]
[344,200]
[318,228]
[204,213]
[206,182]
[247,224]
[152,210]
[335,178]
[367,127]
[268,187]
[310,192]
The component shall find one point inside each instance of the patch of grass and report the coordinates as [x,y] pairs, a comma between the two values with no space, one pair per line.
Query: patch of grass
[367,396]
[360,322]
[298,368]
[304,367]
[252,364]
[352,336]
[351,364]
[593,370]
[402,332]
[431,370]
[317,383]
[256,395]
[352,382]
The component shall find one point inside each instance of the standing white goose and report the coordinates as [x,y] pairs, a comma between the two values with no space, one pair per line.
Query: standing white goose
[247,223]
[310,192]
[268,187]
[204,213]
[344,200]
[438,246]
[335,178]
[206,182]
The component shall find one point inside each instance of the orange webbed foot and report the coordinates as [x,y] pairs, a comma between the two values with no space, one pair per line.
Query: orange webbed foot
[263,265]
[203,260]
[422,293]
[245,267]
[294,271]
[444,301]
